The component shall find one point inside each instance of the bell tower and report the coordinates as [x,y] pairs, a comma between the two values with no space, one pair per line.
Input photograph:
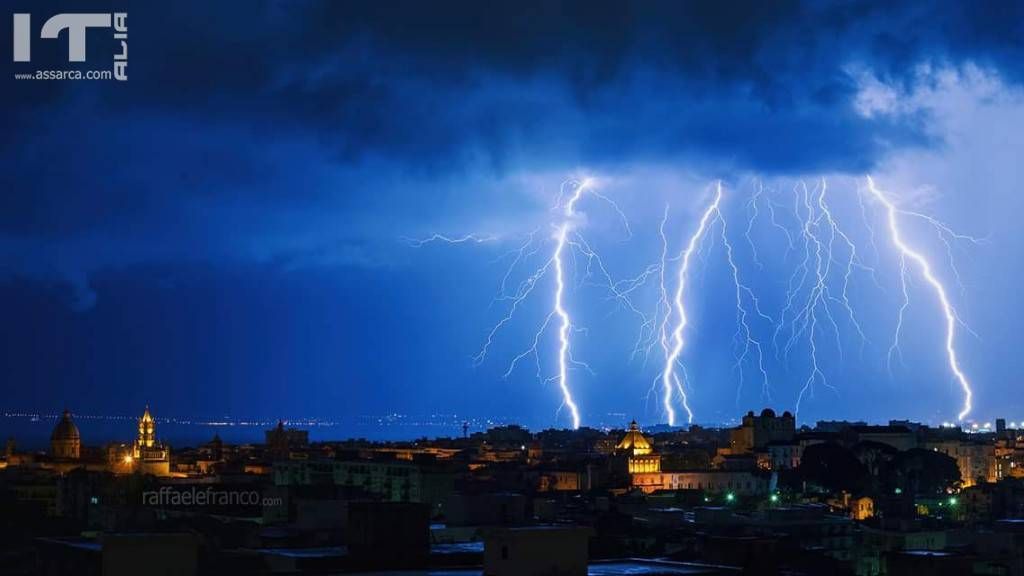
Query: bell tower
[147,430]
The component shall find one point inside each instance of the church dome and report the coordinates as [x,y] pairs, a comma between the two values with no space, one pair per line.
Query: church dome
[65,429]
[634,441]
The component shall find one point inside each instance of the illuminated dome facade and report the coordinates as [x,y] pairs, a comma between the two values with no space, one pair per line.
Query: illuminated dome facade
[634,442]
[638,452]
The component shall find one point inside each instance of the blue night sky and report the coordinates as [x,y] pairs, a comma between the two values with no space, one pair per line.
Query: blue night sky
[228,231]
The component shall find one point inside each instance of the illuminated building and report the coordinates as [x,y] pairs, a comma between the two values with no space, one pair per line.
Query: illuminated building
[147,430]
[66,441]
[148,455]
[637,449]
[976,460]
[712,481]
[645,472]
[862,508]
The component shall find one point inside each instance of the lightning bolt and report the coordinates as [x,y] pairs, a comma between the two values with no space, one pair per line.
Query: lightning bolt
[817,305]
[563,315]
[906,252]
[752,213]
[473,238]
[669,378]
[663,310]
[773,219]
[571,254]
[744,336]
[825,244]
[806,319]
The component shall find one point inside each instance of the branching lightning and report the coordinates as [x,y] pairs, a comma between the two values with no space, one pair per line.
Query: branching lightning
[906,252]
[566,322]
[816,309]
[744,337]
[669,379]
[474,238]
[569,252]
[811,294]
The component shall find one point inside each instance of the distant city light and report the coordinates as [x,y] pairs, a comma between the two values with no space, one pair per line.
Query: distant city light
[774,497]
[730,497]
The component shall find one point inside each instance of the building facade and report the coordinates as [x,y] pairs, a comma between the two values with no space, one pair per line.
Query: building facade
[977,461]
[756,432]
[712,481]
[149,455]
[66,441]
[637,450]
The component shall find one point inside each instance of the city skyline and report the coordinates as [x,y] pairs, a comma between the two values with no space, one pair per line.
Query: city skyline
[32,430]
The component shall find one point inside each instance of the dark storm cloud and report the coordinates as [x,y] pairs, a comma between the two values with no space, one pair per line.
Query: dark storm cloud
[410,79]
[228,219]
[234,117]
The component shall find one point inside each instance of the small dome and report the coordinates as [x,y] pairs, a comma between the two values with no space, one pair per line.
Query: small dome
[767,413]
[787,414]
[65,429]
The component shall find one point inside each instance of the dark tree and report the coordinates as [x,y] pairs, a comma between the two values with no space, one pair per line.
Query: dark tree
[833,468]
[919,471]
[877,459]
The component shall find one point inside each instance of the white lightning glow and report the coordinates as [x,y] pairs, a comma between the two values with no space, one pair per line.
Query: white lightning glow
[818,313]
[906,252]
[806,320]
[744,337]
[814,280]
[571,256]
[669,379]
[473,238]
[563,314]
